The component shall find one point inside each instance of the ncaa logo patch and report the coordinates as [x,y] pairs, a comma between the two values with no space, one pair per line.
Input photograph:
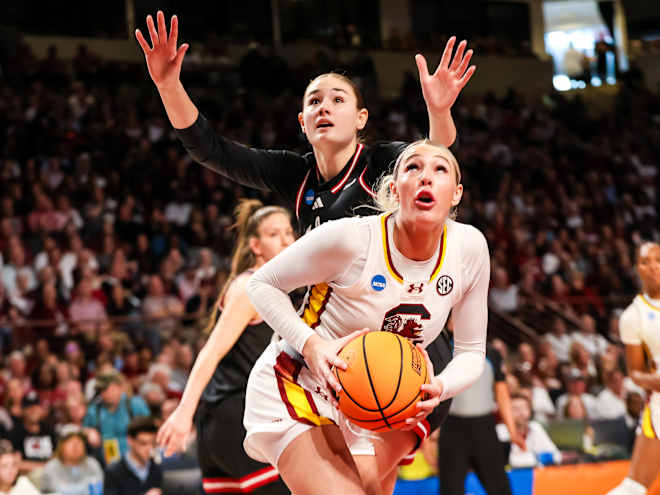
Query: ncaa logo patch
[309,196]
[445,285]
[378,283]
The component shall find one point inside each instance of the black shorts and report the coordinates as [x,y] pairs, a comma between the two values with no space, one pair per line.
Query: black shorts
[225,466]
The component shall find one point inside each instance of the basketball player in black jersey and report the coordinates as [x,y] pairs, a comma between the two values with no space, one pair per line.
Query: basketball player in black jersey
[338,176]
[219,377]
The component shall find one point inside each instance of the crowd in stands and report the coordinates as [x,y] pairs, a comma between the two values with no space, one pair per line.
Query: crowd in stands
[114,244]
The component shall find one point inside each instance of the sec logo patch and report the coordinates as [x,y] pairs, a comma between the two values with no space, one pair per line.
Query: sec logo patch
[445,285]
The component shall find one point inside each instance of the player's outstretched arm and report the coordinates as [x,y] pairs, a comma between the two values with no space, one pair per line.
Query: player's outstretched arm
[441,89]
[236,314]
[164,61]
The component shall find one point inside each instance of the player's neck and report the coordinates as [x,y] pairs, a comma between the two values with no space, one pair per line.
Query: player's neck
[414,243]
[331,158]
[653,294]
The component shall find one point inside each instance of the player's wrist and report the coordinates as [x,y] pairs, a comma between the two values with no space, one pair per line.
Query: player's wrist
[311,344]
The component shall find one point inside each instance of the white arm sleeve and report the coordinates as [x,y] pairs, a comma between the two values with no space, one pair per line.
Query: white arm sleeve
[324,254]
[470,317]
[629,326]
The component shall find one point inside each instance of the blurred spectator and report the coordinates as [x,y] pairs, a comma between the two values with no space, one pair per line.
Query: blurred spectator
[503,296]
[111,412]
[611,401]
[574,408]
[540,449]
[136,473]
[576,387]
[581,360]
[85,310]
[16,264]
[589,337]
[558,338]
[183,364]
[153,396]
[71,471]
[10,482]
[160,308]
[31,436]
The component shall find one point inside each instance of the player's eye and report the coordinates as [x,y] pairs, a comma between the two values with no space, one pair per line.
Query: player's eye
[314,101]
[441,168]
[412,166]
[339,99]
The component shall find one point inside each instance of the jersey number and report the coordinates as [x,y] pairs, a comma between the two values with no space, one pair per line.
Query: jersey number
[407,321]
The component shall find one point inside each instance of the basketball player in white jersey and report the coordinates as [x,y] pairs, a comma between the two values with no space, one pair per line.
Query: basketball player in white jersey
[402,272]
[639,327]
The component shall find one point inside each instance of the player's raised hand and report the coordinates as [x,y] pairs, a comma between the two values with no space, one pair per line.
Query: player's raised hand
[163,57]
[173,433]
[321,355]
[441,88]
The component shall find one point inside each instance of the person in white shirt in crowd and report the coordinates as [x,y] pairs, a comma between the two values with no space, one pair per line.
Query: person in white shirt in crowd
[576,386]
[612,399]
[559,339]
[10,482]
[503,296]
[589,337]
[540,449]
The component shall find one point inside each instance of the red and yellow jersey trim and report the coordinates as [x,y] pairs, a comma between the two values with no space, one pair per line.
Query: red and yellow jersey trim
[319,295]
[388,255]
[298,401]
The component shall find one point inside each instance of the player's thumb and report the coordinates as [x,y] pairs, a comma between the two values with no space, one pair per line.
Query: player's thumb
[181,52]
[354,335]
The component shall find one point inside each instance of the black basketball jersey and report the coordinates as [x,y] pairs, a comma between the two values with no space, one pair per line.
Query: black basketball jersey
[231,374]
[294,177]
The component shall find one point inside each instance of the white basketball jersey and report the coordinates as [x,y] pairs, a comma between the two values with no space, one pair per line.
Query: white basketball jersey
[640,325]
[387,298]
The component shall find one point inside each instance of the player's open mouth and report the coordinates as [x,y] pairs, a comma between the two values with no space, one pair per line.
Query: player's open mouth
[424,200]
[323,124]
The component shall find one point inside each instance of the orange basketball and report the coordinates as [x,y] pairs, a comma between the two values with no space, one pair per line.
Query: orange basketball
[381,386]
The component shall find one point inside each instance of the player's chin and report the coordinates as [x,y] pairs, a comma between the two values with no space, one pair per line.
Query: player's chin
[428,218]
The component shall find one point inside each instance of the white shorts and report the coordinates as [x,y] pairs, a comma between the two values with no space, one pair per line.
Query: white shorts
[283,400]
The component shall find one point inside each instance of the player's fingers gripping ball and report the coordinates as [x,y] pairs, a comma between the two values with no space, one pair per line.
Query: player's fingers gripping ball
[381,386]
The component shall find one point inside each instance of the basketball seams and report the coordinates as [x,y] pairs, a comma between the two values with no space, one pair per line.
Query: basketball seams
[398,384]
[349,395]
[371,383]
[389,415]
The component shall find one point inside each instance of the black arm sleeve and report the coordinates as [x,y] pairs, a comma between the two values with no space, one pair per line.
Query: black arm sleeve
[274,170]
[496,362]
[383,157]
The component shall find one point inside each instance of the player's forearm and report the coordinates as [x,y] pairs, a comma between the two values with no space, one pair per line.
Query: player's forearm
[441,127]
[200,375]
[180,109]
[462,371]
[649,381]
[503,400]
[274,305]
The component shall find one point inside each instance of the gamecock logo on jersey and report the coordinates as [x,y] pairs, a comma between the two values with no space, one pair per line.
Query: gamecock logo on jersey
[407,321]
